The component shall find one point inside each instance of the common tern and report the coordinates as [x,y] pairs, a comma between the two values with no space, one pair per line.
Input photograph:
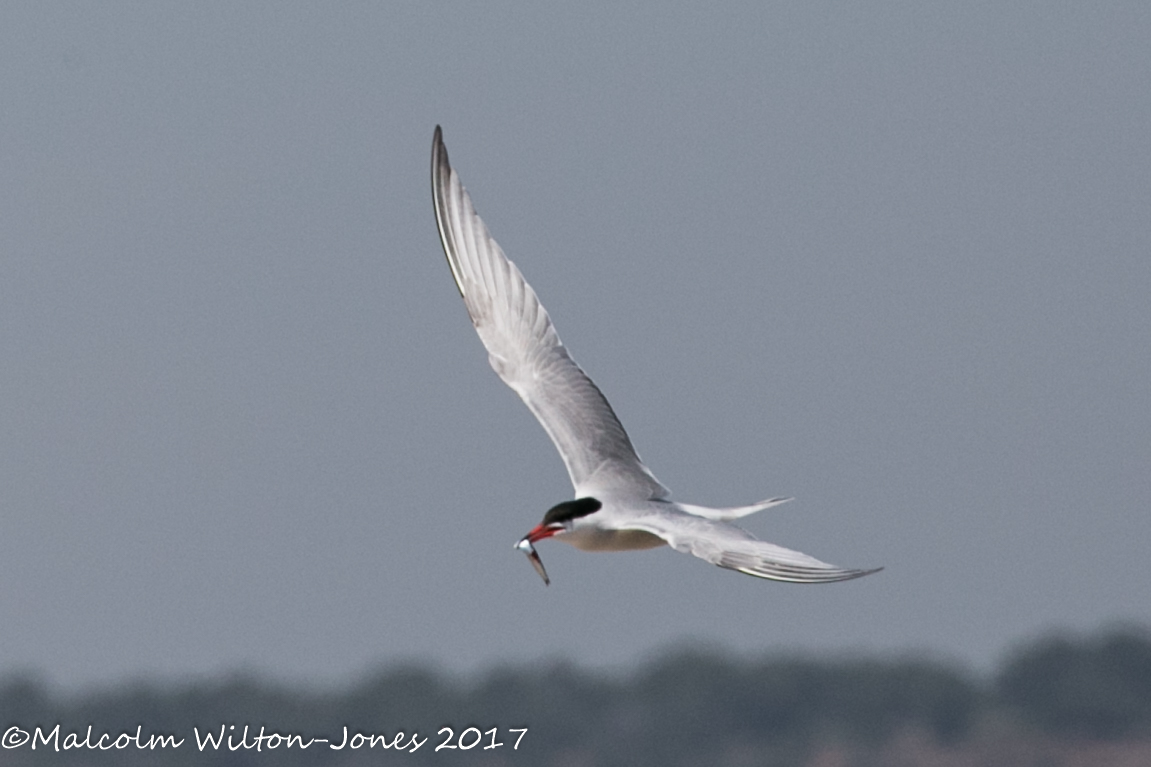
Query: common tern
[619,505]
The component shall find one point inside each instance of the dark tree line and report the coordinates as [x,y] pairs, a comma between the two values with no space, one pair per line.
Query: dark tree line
[1096,688]
[686,708]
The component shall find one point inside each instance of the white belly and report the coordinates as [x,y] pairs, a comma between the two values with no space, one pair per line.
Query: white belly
[593,539]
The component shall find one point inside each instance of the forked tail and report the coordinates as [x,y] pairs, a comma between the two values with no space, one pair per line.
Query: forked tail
[731,512]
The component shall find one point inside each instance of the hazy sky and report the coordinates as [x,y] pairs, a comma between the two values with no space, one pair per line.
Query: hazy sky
[891,259]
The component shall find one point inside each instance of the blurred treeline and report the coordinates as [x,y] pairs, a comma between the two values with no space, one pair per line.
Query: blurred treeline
[1060,700]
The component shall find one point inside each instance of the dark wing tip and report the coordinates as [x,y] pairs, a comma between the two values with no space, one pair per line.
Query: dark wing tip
[438,149]
[851,575]
[789,573]
[810,576]
[441,175]
[439,153]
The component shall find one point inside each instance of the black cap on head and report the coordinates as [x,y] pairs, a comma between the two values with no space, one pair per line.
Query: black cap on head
[580,507]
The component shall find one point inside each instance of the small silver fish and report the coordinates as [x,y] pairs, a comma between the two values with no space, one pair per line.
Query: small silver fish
[526,547]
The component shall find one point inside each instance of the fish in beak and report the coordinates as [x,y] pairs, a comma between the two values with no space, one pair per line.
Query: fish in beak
[525,545]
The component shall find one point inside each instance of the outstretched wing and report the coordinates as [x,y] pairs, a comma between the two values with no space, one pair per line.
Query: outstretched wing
[736,549]
[526,353]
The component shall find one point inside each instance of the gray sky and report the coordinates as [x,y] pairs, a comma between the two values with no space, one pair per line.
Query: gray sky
[894,260]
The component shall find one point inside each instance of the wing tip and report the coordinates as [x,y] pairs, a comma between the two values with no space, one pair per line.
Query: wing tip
[832,575]
[441,180]
[439,151]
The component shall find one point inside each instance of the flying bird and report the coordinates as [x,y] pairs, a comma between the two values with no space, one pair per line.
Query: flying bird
[619,505]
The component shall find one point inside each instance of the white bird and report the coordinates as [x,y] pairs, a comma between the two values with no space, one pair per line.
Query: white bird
[619,504]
